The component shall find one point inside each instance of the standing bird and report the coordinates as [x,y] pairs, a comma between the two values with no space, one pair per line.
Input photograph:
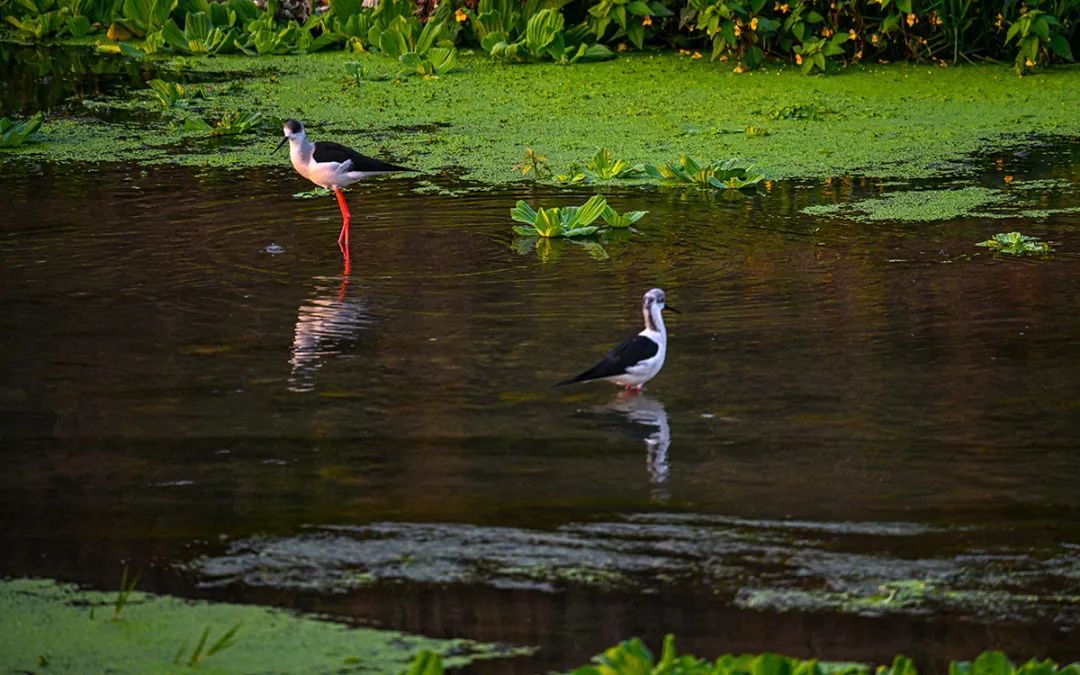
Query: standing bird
[332,166]
[639,359]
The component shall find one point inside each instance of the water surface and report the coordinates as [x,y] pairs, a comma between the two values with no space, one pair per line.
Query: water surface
[848,411]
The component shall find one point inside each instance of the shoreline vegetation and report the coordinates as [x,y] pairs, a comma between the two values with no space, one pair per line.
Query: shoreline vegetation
[902,121]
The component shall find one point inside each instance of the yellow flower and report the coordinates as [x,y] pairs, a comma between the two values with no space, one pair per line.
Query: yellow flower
[738,30]
[784,9]
[874,38]
[1008,179]
[647,21]
[827,32]
[798,59]
[461,15]
[912,19]
[1000,21]
[938,20]
[1029,63]
[696,55]
[753,23]
[738,69]
[852,35]
[858,55]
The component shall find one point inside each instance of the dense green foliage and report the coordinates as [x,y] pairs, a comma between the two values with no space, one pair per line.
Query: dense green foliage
[818,35]
[632,657]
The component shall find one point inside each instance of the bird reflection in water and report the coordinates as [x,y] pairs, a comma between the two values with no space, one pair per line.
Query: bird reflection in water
[647,411]
[327,325]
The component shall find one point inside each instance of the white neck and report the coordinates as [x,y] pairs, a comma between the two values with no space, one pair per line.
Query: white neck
[300,147]
[654,318]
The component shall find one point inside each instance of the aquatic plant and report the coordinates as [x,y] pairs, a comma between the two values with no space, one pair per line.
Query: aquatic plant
[362,72]
[426,663]
[312,194]
[230,124]
[202,35]
[198,655]
[570,221]
[435,62]
[124,594]
[533,162]
[13,134]
[602,166]
[728,175]
[1014,243]
[143,17]
[168,93]
[532,31]
[633,657]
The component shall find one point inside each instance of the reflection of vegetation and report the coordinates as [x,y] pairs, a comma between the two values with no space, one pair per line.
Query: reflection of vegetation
[1015,243]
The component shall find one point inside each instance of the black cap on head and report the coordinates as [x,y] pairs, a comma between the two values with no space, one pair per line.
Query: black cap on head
[293,126]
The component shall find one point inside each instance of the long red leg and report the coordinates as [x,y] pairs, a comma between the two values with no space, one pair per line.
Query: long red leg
[346,217]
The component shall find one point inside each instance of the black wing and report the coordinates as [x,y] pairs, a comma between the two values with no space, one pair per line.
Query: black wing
[325,151]
[635,350]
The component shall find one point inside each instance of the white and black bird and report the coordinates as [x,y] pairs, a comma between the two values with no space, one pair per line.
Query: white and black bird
[639,359]
[331,166]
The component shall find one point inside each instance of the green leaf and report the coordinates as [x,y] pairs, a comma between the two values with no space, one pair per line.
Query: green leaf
[426,663]
[639,8]
[1060,46]
[523,213]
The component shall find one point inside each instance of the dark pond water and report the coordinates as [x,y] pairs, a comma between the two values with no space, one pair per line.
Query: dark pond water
[864,440]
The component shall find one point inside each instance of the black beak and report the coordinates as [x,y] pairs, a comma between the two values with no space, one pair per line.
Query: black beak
[667,306]
[283,141]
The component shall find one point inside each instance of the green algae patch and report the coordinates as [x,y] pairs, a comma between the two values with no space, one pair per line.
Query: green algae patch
[881,121]
[55,627]
[918,205]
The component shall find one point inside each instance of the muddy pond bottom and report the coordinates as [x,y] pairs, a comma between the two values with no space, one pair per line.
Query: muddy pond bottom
[864,440]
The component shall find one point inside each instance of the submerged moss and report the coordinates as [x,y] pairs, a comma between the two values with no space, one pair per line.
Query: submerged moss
[897,120]
[57,628]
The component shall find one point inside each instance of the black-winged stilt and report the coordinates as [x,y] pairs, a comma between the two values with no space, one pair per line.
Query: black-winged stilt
[639,359]
[331,166]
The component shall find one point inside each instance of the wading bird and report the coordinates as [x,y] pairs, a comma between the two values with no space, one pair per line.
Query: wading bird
[639,359]
[331,166]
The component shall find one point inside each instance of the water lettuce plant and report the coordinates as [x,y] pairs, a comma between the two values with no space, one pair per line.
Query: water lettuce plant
[602,166]
[570,221]
[532,31]
[201,34]
[168,93]
[230,124]
[1014,243]
[13,134]
[728,175]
